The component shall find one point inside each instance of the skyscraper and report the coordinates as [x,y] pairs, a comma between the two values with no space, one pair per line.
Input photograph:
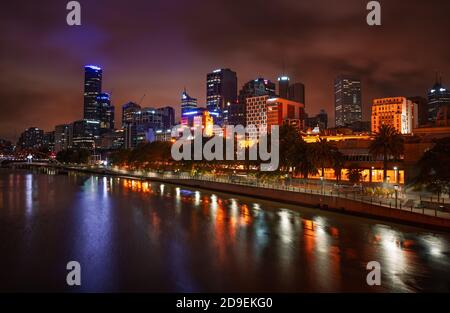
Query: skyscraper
[32,138]
[187,102]
[168,117]
[92,88]
[283,87]
[105,112]
[62,137]
[254,88]
[128,110]
[347,100]
[296,92]
[438,97]
[221,88]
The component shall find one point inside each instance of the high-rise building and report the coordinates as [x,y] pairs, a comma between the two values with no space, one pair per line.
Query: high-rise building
[283,87]
[168,117]
[49,141]
[296,92]
[31,139]
[85,134]
[284,111]
[253,88]
[398,112]
[128,110]
[256,114]
[438,97]
[187,102]
[347,100]
[105,112]
[92,88]
[62,137]
[221,89]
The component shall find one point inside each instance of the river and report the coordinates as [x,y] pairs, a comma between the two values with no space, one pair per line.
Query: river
[135,236]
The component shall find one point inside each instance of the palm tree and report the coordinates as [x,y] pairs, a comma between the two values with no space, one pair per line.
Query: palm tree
[338,164]
[387,143]
[323,154]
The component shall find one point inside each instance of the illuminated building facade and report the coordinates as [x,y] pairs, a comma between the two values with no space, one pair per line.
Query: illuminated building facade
[187,102]
[254,88]
[221,92]
[256,113]
[92,88]
[347,100]
[62,137]
[105,112]
[397,112]
[283,111]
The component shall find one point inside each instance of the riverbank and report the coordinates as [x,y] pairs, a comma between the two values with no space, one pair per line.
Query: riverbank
[319,201]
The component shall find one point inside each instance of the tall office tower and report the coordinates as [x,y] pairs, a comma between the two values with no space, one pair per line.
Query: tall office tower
[92,88]
[32,138]
[85,134]
[347,100]
[398,112]
[62,137]
[296,92]
[128,110]
[438,97]
[49,141]
[187,103]
[168,117]
[253,88]
[422,109]
[283,87]
[105,112]
[221,89]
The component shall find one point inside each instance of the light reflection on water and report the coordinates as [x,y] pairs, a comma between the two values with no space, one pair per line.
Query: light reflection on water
[134,235]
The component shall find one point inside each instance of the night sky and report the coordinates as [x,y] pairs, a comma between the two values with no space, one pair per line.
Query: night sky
[158,47]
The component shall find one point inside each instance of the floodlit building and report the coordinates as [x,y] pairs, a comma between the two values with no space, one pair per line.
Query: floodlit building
[397,112]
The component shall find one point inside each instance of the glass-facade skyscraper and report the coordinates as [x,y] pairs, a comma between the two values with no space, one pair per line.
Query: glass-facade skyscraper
[221,91]
[92,88]
[347,100]
[438,98]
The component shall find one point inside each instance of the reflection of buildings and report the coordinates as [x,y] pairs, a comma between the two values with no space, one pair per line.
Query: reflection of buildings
[397,112]
[347,100]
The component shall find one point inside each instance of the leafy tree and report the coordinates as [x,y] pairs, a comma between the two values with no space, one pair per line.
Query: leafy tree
[354,175]
[323,152]
[434,168]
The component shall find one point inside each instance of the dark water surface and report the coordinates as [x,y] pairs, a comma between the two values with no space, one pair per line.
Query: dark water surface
[136,236]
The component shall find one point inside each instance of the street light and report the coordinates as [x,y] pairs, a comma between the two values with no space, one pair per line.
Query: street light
[395,174]
[396,187]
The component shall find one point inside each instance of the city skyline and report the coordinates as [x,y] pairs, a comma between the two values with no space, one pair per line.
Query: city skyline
[34,93]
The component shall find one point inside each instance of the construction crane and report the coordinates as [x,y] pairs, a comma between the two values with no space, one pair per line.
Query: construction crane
[140,101]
